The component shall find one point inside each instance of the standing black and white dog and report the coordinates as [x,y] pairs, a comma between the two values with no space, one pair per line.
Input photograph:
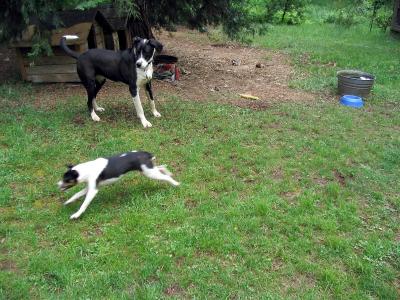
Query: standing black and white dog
[132,66]
[103,171]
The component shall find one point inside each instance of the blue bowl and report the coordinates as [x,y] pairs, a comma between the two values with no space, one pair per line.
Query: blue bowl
[353,101]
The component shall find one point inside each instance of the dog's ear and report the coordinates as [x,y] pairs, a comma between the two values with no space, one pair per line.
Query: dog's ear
[156,44]
[136,41]
[70,166]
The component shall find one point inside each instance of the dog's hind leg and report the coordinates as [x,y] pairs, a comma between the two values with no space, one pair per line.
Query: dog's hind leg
[138,106]
[99,83]
[76,196]
[90,86]
[149,93]
[156,173]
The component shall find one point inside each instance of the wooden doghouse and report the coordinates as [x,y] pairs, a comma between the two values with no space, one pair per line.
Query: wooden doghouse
[90,26]
[396,17]
[120,38]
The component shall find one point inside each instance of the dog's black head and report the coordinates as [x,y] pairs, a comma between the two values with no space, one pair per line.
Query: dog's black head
[70,179]
[144,51]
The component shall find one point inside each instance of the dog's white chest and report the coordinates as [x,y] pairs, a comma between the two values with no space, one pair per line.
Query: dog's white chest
[144,76]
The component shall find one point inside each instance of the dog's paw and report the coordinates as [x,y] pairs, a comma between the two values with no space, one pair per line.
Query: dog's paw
[95,117]
[75,216]
[156,114]
[98,108]
[146,123]
[176,183]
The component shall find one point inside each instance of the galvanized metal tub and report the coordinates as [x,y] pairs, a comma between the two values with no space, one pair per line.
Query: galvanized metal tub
[353,82]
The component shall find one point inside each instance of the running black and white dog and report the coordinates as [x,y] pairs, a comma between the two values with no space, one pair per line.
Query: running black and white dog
[132,66]
[103,171]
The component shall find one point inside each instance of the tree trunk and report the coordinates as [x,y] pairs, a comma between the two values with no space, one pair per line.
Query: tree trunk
[285,9]
[375,9]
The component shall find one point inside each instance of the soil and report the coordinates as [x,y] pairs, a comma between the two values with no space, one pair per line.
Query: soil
[210,72]
[223,71]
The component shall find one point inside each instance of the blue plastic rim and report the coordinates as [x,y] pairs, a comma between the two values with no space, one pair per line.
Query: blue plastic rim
[351,100]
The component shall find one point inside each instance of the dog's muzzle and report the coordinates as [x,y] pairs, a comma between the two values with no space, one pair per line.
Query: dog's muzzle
[64,186]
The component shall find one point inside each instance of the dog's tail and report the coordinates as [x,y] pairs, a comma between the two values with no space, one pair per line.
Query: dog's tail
[64,46]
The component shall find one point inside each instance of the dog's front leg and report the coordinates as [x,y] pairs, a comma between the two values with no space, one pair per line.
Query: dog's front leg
[149,93]
[138,106]
[76,196]
[91,193]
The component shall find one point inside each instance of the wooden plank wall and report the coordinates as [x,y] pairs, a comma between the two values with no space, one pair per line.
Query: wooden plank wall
[60,67]
[81,30]
[57,68]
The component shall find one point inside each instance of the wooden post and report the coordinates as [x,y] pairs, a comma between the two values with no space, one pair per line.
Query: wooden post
[128,38]
[21,66]
[116,40]
[98,31]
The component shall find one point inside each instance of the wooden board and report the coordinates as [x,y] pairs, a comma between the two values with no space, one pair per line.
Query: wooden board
[128,39]
[81,30]
[99,36]
[116,40]
[57,51]
[82,47]
[50,60]
[52,69]
[54,78]
[20,61]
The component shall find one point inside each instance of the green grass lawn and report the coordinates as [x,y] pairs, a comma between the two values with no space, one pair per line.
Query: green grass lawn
[320,50]
[297,201]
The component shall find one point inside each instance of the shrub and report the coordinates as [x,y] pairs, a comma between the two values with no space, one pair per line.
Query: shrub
[343,17]
[383,19]
[290,18]
[286,11]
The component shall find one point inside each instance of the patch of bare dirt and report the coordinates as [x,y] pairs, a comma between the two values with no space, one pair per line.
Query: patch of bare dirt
[339,177]
[290,196]
[191,204]
[222,72]
[173,290]
[211,72]
[8,265]
[277,173]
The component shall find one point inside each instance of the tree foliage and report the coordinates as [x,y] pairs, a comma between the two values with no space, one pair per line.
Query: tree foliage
[374,12]
[238,18]
[293,8]
[232,14]
[375,8]
[17,14]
